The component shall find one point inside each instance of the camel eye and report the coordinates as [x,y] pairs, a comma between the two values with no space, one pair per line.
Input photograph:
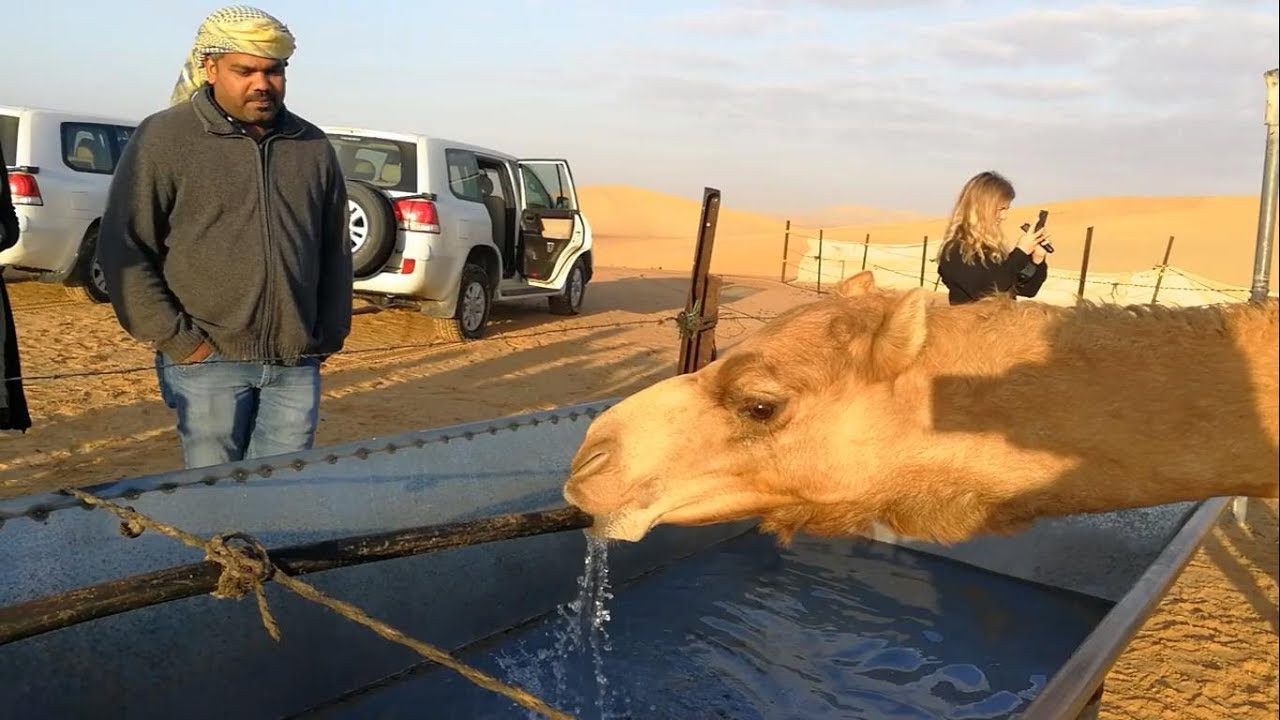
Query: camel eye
[760,410]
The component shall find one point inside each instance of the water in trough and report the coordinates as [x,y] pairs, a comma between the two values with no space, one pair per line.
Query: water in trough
[747,630]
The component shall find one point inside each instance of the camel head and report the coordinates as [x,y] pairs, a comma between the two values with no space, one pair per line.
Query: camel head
[770,429]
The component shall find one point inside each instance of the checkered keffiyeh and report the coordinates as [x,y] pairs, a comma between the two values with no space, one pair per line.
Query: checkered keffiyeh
[232,29]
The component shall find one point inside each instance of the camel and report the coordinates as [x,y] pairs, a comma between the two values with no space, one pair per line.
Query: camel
[939,423]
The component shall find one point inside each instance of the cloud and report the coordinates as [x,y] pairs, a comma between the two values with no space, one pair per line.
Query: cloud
[1051,36]
[732,21]
[856,5]
[1096,99]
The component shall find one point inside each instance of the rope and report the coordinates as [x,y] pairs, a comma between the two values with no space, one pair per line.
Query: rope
[688,321]
[246,566]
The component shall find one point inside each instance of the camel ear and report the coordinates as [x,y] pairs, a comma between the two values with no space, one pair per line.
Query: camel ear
[901,336]
[855,285]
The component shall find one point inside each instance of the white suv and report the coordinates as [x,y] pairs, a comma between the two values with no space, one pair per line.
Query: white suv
[457,227]
[60,170]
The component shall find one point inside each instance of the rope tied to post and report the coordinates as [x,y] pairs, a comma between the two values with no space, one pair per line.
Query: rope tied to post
[689,321]
[246,566]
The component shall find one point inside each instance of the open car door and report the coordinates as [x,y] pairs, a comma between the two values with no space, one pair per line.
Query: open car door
[551,227]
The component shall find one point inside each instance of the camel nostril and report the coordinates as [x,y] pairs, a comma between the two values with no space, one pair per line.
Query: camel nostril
[590,456]
[586,462]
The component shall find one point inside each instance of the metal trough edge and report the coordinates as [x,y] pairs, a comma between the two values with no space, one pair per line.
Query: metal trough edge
[1075,688]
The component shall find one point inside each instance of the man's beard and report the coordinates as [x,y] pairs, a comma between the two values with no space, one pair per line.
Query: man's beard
[260,109]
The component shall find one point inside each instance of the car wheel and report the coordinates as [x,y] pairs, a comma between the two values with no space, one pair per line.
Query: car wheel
[474,303]
[371,226]
[91,282]
[575,290]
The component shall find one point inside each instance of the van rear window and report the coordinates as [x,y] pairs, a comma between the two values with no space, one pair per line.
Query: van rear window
[388,164]
[9,138]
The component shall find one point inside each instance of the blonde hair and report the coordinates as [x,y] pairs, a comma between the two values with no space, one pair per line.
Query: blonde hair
[974,229]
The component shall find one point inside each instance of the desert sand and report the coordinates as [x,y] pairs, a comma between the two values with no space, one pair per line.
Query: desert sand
[1209,652]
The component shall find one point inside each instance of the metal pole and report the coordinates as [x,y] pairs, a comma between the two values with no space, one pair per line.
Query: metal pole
[786,241]
[924,259]
[695,309]
[819,261]
[1267,202]
[1084,263]
[1266,233]
[1163,267]
[866,245]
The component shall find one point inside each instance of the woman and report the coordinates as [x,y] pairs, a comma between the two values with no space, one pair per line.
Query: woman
[13,403]
[974,261]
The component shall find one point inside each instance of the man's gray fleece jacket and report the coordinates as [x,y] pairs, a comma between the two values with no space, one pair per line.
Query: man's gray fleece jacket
[211,235]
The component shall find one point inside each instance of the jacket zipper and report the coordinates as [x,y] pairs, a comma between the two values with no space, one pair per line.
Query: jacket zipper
[264,160]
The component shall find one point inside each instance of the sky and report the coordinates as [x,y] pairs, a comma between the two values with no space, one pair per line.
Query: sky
[784,105]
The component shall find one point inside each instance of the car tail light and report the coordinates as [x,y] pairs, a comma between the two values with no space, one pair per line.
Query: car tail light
[407,265]
[24,189]
[417,215]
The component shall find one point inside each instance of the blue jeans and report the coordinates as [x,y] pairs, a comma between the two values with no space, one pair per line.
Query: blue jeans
[229,411]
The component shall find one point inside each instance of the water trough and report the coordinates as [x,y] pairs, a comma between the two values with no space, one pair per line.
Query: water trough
[714,622]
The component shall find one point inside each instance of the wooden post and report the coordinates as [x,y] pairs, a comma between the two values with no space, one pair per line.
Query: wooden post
[924,259]
[819,261]
[786,242]
[697,335]
[111,597]
[1163,266]
[866,245]
[706,342]
[1084,263]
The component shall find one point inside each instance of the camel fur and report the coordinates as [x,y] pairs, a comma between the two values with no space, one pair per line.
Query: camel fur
[940,423]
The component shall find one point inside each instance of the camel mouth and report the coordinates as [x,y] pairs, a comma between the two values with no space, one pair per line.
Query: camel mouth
[634,524]
[627,527]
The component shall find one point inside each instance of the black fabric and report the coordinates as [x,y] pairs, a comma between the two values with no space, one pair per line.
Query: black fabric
[13,401]
[968,283]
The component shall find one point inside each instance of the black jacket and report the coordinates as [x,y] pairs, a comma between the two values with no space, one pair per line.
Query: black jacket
[1017,275]
[13,402]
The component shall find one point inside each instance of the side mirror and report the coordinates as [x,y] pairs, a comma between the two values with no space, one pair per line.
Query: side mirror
[562,203]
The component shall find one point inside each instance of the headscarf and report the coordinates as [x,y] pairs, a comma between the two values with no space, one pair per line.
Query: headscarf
[232,29]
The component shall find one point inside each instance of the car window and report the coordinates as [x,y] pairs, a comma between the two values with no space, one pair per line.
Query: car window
[123,134]
[464,175]
[388,164]
[9,138]
[93,147]
[495,180]
[535,193]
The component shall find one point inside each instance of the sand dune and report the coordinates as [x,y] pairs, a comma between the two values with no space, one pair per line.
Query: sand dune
[1214,235]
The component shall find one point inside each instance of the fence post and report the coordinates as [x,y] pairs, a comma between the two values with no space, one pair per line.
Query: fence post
[1266,232]
[1267,203]
[786,242]
[697,322]
[866,244]
[1084,262]
[819,261]
[924,259]
[1163,266]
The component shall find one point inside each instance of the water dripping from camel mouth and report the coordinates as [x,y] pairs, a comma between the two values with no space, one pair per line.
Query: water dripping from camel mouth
[577,683]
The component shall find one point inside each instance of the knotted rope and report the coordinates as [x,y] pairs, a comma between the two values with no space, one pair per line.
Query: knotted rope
[246,566]
[690,321]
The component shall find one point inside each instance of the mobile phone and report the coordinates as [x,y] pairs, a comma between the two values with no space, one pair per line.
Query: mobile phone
[1040,221]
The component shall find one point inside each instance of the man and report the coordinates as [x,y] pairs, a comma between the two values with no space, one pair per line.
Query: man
[14,415]
[225,247]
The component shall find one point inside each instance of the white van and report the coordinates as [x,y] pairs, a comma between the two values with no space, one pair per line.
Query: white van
[60,166]
[457,227]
